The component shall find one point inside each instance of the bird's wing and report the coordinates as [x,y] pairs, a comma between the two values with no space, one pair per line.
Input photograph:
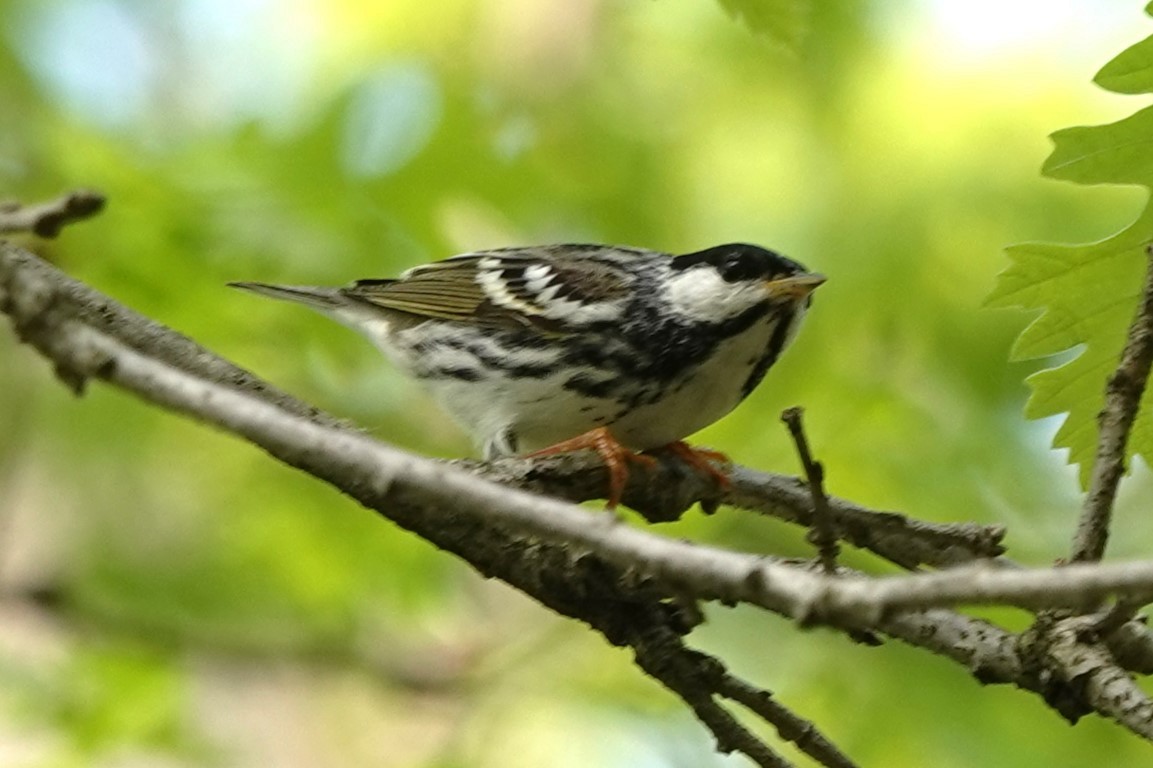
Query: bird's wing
[544,287]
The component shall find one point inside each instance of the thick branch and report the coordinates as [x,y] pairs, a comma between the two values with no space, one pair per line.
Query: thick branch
[1077,673]
[1122,401]
[38,298]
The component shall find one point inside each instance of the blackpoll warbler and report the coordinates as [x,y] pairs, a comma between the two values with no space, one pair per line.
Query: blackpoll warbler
[560,347]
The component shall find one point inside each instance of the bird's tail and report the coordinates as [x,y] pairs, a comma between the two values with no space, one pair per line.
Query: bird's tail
[317,298]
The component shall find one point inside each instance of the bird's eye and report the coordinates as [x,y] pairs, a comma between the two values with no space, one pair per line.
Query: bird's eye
[740,266]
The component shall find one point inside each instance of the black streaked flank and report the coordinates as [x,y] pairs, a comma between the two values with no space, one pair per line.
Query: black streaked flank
[776,345]
[487,359]
[460,372]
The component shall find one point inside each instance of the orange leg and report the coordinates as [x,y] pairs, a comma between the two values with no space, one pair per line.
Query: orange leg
[615,456]
[702,460]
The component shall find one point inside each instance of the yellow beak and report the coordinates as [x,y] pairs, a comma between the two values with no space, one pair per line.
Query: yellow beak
[794,287]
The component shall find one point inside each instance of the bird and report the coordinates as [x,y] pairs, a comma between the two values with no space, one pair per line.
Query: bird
[547,349]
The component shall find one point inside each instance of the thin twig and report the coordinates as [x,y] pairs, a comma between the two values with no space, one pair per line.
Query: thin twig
[791,727]
[687,673]
[900,539]
[48,218]
[1122,401]
[823,535]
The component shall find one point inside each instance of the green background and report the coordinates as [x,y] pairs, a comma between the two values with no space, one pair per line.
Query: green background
[171,597]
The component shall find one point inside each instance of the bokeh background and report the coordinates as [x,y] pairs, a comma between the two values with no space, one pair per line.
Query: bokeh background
[171,597]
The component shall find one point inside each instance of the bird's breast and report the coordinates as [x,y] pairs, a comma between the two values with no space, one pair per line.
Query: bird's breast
[702,392]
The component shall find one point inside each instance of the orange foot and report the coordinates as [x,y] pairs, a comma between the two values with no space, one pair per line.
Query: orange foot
[702,460]
[615,456]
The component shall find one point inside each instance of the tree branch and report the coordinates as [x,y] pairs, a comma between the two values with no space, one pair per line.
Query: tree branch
[48,218]
[1122,401]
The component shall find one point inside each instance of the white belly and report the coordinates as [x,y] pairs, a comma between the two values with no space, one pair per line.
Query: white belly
[698,400]
[539,411]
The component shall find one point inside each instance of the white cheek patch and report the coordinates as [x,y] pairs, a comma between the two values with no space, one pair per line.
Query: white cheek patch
[701,294]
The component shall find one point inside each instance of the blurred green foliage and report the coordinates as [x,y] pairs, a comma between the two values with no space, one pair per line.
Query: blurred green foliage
[211,607]
[785,21]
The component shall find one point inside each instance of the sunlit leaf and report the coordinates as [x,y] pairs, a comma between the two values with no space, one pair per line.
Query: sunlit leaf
[1130,72]
[1087,293]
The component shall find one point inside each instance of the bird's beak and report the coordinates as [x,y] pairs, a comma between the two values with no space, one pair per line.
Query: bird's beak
[793,287]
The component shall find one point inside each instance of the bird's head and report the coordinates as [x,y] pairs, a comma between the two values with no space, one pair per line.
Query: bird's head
[721,283]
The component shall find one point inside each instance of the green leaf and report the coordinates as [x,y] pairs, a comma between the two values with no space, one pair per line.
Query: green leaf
[1131,72]
[1118,153]
[784,21]
[1088,293]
